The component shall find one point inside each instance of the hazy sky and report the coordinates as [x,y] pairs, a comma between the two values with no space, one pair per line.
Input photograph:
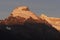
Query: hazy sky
[49,7]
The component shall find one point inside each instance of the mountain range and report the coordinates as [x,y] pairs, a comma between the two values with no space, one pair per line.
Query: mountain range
[23,24]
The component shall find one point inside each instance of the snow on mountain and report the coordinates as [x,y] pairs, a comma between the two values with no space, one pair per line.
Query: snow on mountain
[55,22]
[24,12]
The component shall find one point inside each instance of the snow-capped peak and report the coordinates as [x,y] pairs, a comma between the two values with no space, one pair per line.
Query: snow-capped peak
[24,12]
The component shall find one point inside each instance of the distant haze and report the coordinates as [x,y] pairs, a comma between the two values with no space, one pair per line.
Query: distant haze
[48,7]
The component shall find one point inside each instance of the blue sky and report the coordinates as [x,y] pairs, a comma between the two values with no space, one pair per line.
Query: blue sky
[49,7]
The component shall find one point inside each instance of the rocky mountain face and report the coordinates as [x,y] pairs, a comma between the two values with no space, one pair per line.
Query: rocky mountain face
[23,24]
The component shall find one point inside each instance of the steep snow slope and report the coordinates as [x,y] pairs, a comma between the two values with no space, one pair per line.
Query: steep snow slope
[55,22]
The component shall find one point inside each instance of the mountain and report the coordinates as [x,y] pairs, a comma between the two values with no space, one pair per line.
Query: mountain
[20,15]
[55,22]
[22,24]
[24,12]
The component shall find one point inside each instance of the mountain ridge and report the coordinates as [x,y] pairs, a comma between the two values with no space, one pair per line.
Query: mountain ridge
[23,13]
[52,20]
[24,24]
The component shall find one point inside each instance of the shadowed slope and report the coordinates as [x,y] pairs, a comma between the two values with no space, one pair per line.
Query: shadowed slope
[29,30]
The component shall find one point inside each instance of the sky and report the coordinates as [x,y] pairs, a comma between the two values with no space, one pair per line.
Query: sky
[48,7]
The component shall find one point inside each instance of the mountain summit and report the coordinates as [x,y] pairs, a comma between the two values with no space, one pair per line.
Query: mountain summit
[24,12]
